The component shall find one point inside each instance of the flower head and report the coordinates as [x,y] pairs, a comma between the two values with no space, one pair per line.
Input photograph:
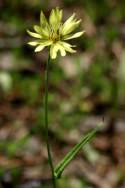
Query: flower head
[54,33]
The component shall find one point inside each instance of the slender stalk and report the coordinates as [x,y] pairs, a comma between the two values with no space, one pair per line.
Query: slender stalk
[46,122]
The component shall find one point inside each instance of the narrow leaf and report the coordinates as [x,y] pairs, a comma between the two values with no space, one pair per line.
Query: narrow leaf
[67,159]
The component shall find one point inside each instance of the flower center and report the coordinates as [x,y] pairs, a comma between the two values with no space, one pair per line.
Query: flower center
[55,34]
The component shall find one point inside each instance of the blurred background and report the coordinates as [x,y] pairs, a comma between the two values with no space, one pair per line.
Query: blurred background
[85,88]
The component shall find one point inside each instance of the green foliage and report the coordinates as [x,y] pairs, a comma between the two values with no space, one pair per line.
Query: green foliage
[73,152]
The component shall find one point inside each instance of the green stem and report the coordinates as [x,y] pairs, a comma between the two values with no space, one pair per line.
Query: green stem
[46,122]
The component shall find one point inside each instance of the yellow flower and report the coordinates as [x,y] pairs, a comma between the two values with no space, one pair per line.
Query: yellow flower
[54,34]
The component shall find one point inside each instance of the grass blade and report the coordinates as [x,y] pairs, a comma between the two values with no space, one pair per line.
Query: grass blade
[67,159]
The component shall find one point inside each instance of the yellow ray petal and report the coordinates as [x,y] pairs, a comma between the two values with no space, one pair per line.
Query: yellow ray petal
[43,20]
[42,45]
[55,48]
[68,28]
[53,51]
[78,34]
[67,47]
[69,20]
[61,49]
[36,35]
[37,29]
[55,18]
[39,48]
[33,43]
